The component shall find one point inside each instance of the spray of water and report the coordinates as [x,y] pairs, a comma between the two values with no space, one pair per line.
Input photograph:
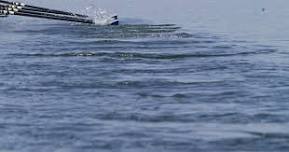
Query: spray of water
[100,16]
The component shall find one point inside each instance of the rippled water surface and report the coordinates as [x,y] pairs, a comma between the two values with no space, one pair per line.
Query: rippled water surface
[144,87]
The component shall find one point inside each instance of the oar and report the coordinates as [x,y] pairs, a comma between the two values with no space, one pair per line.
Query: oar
[8,9]
[12,11]
[45,16]
[40,9]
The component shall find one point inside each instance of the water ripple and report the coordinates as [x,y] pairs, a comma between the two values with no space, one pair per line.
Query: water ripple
[134,88]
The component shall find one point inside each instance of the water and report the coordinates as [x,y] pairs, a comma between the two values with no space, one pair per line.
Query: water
[216,80]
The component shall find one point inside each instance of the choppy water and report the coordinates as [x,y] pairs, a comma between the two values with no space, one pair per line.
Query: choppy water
[146,88]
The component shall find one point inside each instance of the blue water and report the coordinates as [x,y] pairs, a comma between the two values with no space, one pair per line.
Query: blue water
[217,80]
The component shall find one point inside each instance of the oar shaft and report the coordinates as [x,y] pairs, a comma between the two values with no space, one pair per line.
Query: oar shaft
[41,9]
[54,17]
[7,10]
[5,2]
[49,16]
[13,8]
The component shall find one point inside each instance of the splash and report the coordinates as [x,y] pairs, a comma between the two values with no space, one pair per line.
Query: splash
[100,16]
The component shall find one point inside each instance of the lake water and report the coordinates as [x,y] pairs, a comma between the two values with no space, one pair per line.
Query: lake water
[187,75]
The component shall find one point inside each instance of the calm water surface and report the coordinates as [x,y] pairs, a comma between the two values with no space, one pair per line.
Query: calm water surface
[212,77]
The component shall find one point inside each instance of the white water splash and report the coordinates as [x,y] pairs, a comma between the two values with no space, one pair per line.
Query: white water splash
[100,16]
